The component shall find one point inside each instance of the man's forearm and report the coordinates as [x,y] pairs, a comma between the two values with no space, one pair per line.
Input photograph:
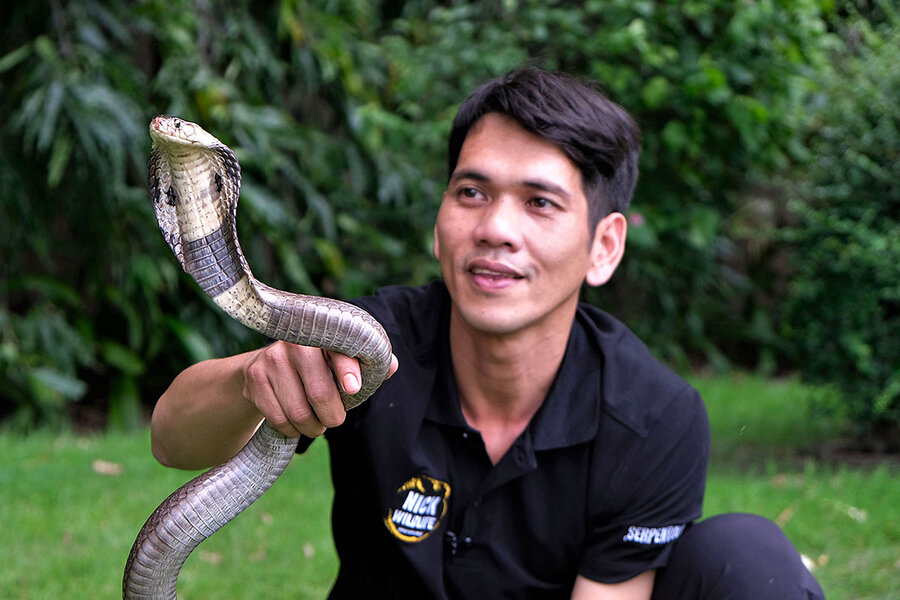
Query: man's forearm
[203,418]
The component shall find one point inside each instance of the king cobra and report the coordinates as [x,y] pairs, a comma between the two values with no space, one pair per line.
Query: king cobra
[194,182]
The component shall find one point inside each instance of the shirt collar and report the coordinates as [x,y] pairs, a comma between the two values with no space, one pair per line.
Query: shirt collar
[570,414]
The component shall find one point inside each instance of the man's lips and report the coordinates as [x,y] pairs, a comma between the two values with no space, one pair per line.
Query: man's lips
[492,275]
[490,268]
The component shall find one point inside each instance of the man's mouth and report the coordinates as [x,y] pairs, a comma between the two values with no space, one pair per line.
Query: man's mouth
[490,274]
[492,268]
[494,274]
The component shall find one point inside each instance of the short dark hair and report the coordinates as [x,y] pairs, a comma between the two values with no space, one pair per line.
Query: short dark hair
[595,133]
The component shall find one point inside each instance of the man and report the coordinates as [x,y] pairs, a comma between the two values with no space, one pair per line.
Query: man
[530,446]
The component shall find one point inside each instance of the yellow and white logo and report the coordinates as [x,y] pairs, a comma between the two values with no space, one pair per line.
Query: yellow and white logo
[421,504]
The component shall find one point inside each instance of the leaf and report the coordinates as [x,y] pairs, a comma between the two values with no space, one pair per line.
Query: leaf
[294,268]
[122,358]
[675,135]
[11,59]
[196,346]
[59,159]
[655,92]
[105,467]
[124,404]
[46,380]
[331,256]
[59,292]
[55,97]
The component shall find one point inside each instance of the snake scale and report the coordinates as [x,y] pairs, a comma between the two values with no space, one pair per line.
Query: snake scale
[194,182]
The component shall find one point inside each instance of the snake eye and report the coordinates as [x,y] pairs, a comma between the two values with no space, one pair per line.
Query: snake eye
[177,124]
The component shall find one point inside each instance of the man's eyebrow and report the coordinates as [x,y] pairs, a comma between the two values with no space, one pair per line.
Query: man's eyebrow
[547,186]
[537,184]
[469,174]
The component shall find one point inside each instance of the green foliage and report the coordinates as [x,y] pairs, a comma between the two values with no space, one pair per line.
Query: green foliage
[844,313]
[718,89]
[338,112]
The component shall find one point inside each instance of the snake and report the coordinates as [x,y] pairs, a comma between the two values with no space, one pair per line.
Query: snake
[194,182]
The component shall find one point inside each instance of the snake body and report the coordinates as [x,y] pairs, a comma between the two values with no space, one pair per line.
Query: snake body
[194,182]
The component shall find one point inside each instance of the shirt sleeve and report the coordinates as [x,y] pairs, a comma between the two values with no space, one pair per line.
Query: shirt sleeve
[654,494]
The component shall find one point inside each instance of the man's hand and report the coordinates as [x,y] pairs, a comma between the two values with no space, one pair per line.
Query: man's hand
[294,387]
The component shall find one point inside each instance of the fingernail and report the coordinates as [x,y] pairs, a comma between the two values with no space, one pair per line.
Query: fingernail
[351,383]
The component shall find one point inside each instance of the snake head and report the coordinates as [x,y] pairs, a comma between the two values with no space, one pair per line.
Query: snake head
[174,131]
[190,167]
[171,136]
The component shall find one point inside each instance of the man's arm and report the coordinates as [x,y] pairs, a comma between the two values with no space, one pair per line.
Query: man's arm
[636,588]
[212,408]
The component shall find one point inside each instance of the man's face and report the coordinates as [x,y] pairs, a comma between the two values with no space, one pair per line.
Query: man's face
[511,235]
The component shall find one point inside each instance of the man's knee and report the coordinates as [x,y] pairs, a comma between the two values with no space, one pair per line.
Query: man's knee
[736,556]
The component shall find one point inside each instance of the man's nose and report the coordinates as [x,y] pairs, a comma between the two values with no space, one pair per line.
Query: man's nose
[500,224]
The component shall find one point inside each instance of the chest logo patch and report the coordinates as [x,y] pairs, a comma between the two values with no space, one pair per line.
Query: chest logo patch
[420,505]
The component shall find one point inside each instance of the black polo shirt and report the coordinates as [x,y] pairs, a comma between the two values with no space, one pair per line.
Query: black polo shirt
[605,477]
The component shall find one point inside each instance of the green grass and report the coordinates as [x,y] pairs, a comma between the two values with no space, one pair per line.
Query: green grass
[66,526]
[846,520]
[754,419]
[66,529]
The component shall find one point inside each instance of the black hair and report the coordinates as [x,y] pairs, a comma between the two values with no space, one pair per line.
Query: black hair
[595,133]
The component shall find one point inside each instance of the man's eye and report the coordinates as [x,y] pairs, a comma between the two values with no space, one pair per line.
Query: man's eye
[469,192]
[539,202]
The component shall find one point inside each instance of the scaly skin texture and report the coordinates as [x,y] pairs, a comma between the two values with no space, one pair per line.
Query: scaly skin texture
[194,182]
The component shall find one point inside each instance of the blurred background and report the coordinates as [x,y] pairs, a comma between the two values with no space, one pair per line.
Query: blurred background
[763,236]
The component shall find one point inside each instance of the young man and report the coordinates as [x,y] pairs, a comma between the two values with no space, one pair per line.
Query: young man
[530,446]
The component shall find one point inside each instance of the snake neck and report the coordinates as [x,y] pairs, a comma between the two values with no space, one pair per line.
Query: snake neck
[216,262]
[210,252]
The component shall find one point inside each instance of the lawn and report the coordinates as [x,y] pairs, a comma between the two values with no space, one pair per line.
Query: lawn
[70,507]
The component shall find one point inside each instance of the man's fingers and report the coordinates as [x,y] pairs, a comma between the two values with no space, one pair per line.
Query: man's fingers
[395,364]
[294,387]
[292,400]
[273,383]
[318,384]
[258,390]
[349,374]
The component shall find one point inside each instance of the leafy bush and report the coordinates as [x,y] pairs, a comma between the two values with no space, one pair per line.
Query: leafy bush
[718,88]
[843,316]
[338,112]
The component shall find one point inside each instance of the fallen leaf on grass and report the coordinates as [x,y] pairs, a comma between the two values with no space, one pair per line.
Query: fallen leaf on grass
[104,467]
[813,564]
[785,516]
[259,555]
[857,514]
[779,480]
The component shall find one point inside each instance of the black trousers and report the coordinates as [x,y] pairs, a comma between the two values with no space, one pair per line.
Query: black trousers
[735,557]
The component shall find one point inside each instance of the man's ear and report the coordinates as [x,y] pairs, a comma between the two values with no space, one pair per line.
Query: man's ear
[607,248]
